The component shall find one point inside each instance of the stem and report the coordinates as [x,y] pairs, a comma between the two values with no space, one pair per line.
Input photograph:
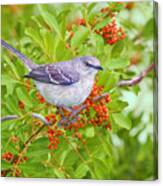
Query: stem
[80,156]
[35,115]
[25,145]
[9,117]
[34,135]
[136,79]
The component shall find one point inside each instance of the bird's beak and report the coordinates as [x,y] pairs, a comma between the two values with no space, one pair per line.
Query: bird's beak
[100,68]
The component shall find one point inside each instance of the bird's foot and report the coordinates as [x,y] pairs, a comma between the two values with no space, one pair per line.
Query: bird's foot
[69,115]
[64,112]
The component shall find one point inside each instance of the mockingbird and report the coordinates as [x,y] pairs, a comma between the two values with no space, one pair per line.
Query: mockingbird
[64,84]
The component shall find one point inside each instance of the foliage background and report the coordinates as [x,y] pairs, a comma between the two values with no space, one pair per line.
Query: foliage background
[39,31]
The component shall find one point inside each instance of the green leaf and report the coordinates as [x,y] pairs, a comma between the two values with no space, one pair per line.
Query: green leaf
[117,49]
[63,156]
[32,168]
[90,132]
[117,105]
[148,30]
[6,81]
[22,95]
[49,43]
[5,165]
[32,33]
[71,159]
[108,79]
[59,173]
[118,63]
[101,170]
[98,43]
[49,19]
[38,148]
[122,120]
[12,104]
[81,171]
[61,49]
[136,89]
[12,66]
[79,37]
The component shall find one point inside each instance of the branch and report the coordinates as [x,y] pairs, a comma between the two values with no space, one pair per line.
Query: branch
[28,141]
[34,115]
[74,114]
[9,117]
[33,135]
[136,79]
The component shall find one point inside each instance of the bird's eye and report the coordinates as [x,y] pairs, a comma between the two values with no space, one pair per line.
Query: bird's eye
[98,67]
[87,63]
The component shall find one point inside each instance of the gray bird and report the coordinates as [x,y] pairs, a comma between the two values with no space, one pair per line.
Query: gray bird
[64,84]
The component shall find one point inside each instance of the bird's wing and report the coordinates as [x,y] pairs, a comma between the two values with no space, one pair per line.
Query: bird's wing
[55,74]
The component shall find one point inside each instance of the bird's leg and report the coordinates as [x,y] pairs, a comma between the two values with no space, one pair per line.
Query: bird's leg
[71,117]
[64,116]
[76,111]
[61,109]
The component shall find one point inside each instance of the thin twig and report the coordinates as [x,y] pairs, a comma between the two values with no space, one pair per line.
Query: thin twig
[33,135]
[136,79]
[9,117]
[35,115]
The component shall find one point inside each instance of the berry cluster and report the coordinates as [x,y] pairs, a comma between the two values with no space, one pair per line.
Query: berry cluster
[107,12]
[111,33]
[53,132]
[21,105]
[8,156]
[130,5]
[101,115]
[51,118]
[80,21]
[53,136]
[22,160]
[76,125]
[40,98]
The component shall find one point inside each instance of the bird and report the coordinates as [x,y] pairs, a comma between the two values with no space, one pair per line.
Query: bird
[64,84]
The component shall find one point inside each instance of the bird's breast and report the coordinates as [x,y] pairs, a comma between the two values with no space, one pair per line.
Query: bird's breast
[69,95]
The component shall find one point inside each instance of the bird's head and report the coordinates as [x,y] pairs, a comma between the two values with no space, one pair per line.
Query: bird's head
[88,65]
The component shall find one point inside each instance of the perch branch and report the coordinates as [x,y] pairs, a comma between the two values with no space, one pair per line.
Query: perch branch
[9,117]
[34,115]
[136,79]
[72,117]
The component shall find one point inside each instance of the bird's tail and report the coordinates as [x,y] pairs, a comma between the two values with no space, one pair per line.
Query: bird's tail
[28,63]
